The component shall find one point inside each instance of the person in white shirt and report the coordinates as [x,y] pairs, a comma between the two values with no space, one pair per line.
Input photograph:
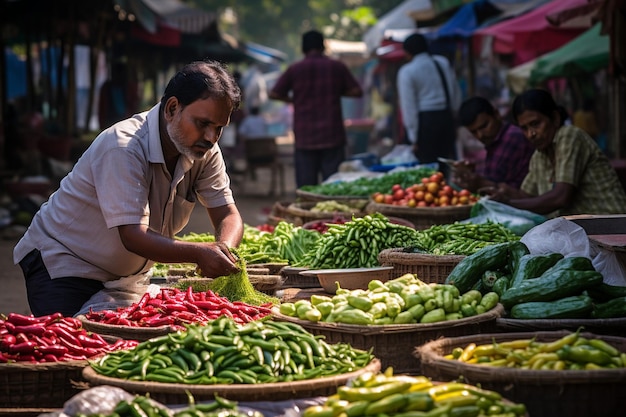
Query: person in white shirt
[253,125]
[429,96]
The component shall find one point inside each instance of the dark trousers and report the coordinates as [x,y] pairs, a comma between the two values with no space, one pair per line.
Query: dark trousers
[310,163]
[47,296]
[436,137]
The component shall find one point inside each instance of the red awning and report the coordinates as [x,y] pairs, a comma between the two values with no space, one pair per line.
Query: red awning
[531,34]
[164,36]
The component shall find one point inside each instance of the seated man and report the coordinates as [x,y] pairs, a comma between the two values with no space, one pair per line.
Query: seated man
[508,150]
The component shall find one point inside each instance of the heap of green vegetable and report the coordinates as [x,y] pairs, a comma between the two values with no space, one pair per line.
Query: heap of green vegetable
[403,300]
[569,352]
[384,394]
[461,238]
[548,286]
[223,352]
[357,243]
[366,186]
[286,244]
[238,288]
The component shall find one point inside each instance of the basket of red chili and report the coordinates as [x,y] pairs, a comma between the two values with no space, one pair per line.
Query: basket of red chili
[168,311]
[42,357]
[559,373]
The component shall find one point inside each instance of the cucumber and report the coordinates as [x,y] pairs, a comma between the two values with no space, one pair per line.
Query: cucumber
[467,273]
[551,286]
[574,307]
[605,292]
[516,251]
[533,266]
[612,308]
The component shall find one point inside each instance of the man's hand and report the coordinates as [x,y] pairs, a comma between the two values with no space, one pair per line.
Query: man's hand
[217,260]
[464,176]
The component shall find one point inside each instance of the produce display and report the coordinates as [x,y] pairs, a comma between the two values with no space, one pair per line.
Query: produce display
[412,396]
[175,308]
[460,238]
[403,300]
[570,352]
[333,206]
[548,286]
[366,186]
[223,352]
[323,225]
[51,338]
[429,191]
[356,244]
[285,243]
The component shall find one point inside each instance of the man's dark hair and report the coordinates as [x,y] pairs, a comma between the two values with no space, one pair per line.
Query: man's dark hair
[472,107]
[540,101]
[312,40]
[201,80]
[415,44]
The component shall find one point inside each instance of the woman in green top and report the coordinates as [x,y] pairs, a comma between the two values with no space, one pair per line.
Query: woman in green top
[568,173]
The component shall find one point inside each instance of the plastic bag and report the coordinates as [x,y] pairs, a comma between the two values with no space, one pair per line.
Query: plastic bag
[400,154]
[514,219]
[569,239]
[122,292]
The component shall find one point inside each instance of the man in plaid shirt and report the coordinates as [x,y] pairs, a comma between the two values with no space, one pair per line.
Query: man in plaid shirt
[508,150]
[315,86]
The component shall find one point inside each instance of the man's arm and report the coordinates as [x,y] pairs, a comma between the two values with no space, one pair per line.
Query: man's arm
[281,97]
[214,259]
[560,196]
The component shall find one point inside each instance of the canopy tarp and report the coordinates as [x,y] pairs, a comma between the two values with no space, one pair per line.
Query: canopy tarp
[587,53]
[465,21]
[531,34]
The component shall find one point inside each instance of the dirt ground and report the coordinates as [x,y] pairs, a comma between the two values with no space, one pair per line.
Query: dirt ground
[255,204]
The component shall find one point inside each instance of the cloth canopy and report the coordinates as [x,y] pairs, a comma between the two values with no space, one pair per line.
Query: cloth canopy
[587,53]
[531,34]
[465,21]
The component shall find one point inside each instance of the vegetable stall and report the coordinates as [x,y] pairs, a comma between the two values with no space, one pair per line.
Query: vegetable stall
[462,319]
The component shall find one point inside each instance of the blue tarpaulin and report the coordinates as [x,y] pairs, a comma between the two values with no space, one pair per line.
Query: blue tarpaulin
[466,20]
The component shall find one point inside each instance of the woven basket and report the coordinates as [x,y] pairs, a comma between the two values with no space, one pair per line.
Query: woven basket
[272,268]
[301,212]
[395,344]
[125,332]
[597,393]
[168,393]
[308,196]
[293,278]
[39,385]
[428,268]
[614,326]
[422,217]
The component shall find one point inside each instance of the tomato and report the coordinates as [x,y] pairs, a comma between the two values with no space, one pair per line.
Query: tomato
[419,195]
[449,191]
[436,177]
[420,187]
[421,203]
[396,187]
[444,199]
[387,199]
[432,187]
[464,192]
[379,198]
[398,194]
[411,203]
[429,198]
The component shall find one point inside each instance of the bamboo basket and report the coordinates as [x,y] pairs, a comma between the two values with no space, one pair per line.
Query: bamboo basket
[39,385]
[279,213]
[394,220]
[301,212]
[422,217]
[546,393]
[169,393]
[394,344]
[308,196]
[612,326]
[125,332]
[428,268]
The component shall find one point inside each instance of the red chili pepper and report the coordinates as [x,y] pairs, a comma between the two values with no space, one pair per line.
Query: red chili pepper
[65,334]
[21,338]
[22,320]
[10,327]
[155,302]
[49,358]
[89,342]
[7,341]
[208,305]
[190,306]
[72,322]
[161,321]
[26,358]
[170,307]
[125,322]
[56,350]
[189,294]
[27,347]
[226,312]
[36,329]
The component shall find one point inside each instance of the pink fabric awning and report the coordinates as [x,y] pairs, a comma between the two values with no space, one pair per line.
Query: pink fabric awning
[531,34]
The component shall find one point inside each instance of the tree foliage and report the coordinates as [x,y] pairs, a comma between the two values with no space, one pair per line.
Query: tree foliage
[280,23]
